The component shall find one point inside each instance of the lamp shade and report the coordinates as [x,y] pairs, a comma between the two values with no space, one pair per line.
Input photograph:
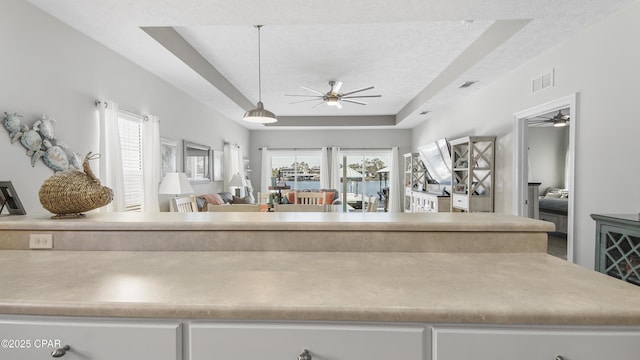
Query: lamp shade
[237,181]
[175,183]
[260,115]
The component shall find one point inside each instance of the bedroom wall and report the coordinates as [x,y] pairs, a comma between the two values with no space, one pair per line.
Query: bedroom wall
[302,139]
[49,67]
[547,154]
[600,64]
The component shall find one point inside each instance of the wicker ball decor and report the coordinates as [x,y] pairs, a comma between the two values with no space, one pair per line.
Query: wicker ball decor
[72,192]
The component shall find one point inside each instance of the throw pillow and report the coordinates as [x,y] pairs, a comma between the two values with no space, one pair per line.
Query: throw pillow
[241,200]
[213,199]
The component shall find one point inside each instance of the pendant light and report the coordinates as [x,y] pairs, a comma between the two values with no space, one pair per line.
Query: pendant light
[259,115]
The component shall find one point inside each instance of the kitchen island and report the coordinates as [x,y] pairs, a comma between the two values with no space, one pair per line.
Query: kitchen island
[405,303]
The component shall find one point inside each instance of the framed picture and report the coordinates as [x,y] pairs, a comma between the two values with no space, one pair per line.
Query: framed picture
[9,199]
[460,188]
[218,174]
[169,149]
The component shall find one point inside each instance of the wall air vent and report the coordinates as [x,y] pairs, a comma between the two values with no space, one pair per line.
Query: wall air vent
[542,82]
[466,84]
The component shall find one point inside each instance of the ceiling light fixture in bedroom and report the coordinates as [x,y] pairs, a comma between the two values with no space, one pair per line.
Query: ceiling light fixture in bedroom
[259,115]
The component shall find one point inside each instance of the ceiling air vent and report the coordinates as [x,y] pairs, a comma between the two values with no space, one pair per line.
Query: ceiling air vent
[466,84]
[542,82]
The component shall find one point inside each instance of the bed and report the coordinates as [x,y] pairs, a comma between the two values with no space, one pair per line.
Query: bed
[554,207]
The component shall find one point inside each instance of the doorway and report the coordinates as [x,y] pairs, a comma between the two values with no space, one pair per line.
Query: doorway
[523,120]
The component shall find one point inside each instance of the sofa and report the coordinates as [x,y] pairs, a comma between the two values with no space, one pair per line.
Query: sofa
[221,198]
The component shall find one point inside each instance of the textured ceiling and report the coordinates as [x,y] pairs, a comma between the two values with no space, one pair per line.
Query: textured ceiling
[415,53]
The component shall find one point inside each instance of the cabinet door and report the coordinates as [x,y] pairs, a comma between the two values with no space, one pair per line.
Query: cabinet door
[109,340]
[226,341]
[523,344]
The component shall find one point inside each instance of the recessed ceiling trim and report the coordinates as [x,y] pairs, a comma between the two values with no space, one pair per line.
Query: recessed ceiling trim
[494,36]
[169,38]
[339,121]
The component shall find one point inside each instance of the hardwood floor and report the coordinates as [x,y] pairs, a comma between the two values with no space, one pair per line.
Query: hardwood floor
[557,245]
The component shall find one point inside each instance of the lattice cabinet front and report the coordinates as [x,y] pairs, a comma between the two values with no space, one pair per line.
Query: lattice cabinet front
[618,246]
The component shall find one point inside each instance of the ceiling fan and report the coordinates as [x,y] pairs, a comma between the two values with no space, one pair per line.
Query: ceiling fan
[333,97]
[558,120]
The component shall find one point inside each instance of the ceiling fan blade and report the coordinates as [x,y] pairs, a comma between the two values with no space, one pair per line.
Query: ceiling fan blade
[353,101]
[338,105]
[318,104]
[315,91]
[314,96]
[361,96]
[301,101]
[358,90]
[336,87]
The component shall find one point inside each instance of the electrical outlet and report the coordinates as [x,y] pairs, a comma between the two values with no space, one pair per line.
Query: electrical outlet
[40,241]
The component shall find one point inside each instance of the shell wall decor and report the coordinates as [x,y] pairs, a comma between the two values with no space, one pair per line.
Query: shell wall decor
[40,142]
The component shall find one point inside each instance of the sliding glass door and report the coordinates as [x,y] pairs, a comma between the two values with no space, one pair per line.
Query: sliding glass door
[366,182]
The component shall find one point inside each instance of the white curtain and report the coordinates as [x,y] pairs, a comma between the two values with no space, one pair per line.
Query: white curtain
[325,171]
[110,163]
[265,171]
[395,185]
[335,169]
[152,162]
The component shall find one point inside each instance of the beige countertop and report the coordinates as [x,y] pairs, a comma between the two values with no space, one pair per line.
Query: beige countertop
[476,222]
[488,288]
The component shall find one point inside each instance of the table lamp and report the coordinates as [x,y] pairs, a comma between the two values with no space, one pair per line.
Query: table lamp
[238,182]
[176,184]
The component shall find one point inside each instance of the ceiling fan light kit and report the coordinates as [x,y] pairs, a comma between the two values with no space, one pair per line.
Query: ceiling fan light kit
[333,97]
[259,115]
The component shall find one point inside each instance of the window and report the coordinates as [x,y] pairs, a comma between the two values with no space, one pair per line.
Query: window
[300,169]
[130,130]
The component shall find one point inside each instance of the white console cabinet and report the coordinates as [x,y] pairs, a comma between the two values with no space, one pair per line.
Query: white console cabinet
[454,343]
[289,341]
[32,339]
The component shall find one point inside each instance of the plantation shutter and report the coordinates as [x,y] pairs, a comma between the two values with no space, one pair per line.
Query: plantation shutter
[130,129]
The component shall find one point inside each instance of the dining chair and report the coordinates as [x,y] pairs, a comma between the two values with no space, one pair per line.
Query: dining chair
[184,204]
[310,198]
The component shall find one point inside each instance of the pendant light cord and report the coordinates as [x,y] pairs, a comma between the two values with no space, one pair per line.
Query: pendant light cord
[259,69]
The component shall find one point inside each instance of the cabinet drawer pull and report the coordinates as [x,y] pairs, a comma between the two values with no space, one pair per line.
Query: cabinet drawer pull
[559,357]
[304,355]
[60,352]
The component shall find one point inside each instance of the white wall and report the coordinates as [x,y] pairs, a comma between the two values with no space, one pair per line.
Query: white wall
[51,68]
[601,64]
[547,154]
[303,139]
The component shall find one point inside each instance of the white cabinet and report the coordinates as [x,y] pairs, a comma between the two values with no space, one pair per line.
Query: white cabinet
[472,173]
[454,343]
[248,341]
[90,340]
[430,202]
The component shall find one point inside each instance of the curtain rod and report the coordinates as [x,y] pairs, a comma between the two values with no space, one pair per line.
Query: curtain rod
[328,147]
[106,104]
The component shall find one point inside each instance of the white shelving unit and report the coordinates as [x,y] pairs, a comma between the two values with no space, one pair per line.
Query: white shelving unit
[415,178]
[473,173]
